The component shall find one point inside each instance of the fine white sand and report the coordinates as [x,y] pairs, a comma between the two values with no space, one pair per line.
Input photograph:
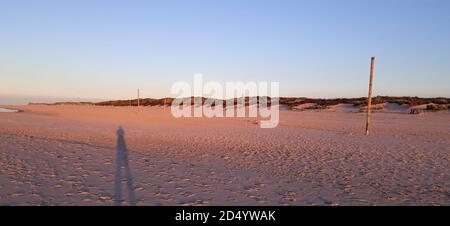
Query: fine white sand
[68,155]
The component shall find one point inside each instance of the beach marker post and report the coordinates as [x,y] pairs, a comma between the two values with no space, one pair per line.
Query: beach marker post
[138,99]
[369,99]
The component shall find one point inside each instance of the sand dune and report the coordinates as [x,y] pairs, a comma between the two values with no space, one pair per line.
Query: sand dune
[68,155]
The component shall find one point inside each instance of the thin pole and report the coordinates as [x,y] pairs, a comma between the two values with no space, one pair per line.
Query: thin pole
[369,99]
[138,100]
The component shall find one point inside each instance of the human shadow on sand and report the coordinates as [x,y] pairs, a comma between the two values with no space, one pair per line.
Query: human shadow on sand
[122,163]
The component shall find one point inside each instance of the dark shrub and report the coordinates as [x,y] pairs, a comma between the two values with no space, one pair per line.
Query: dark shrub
[437,107]
[416,111]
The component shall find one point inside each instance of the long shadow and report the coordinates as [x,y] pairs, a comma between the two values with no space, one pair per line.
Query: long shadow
[122,163]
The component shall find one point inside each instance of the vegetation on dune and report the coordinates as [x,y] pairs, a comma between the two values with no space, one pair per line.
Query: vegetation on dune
[375,107]
[437,107]
[435,104]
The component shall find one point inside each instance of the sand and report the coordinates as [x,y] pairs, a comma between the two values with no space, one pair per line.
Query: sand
[72,155]
[4,110]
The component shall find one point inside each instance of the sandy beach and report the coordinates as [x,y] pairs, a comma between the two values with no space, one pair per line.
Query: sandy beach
[69,155]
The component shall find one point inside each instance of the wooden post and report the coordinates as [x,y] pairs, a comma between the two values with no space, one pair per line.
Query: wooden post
[369,99]
[138,100]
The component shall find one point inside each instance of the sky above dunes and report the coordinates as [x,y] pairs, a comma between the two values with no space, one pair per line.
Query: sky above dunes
[320,48]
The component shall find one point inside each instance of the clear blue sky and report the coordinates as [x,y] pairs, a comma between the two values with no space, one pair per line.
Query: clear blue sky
[319,48]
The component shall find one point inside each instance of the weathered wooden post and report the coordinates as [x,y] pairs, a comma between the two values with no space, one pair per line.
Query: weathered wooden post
[138,100]
[369,99]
